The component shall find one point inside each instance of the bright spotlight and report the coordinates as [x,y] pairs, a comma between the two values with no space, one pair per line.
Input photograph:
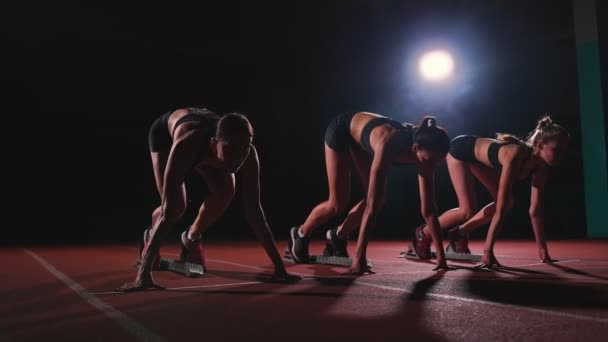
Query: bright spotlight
[436,65]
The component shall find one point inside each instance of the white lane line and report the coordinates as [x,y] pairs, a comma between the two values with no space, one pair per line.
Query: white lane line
[542,263]
[255,267]
[186,287]
[140,332]
[603,320]
[464,299]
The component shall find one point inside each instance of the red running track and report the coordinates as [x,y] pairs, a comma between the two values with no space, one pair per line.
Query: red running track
[65,294]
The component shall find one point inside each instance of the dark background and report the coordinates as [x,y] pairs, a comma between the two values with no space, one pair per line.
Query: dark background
[87,80]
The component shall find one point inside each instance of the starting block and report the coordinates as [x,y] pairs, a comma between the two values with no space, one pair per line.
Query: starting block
[188,269]
[324,260]
[182,267]
[411,254]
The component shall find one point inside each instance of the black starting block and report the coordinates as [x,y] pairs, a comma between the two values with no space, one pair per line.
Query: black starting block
[324,260]
[410,253]
[166,264]
[182,267]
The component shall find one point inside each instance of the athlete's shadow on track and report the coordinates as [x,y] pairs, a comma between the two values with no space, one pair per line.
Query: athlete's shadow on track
[535,288]
[317,307]
[576,272]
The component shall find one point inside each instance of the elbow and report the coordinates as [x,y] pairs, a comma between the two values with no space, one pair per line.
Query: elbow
[535,212]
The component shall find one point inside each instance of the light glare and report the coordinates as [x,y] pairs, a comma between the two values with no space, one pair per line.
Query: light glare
[436,65]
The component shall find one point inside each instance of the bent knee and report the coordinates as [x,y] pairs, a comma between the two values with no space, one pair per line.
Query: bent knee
[467,213]
[336,207]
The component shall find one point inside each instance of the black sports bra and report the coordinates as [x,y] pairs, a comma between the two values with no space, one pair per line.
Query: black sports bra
[493,154]
[405,134]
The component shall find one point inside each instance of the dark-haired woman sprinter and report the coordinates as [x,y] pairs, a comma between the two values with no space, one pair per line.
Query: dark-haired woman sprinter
[373,143]
[497,164]
[217,148]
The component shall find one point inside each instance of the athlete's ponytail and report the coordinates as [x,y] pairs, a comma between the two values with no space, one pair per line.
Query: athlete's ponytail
[546,131]
[430,137]
[510,138]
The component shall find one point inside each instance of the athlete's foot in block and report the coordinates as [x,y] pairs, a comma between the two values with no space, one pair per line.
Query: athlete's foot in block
[192,251]
[488,261]
[422,244]
[298,246]
[335,246]
[140,285]
[458,241]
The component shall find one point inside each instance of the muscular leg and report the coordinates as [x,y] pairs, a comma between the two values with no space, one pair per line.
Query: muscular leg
[159,163]
[338,176]
[222,189]
[464,185]
[352,221]
[170,212]
[489,178]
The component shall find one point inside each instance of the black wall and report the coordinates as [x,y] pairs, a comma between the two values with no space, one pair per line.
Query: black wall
[87,80]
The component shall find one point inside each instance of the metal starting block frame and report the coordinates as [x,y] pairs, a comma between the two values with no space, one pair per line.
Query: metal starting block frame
[411,254]
[185,268]
[182,267]
[324,260]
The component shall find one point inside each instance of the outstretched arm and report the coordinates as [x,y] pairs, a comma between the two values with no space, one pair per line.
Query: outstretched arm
[428,209]
[537,214]
[375,199]
[249,177]
[504,203]
[181,159]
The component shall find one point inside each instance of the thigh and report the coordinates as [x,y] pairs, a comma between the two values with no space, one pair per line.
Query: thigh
[363,166]
[488,177]
[338,174]
[463,183]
